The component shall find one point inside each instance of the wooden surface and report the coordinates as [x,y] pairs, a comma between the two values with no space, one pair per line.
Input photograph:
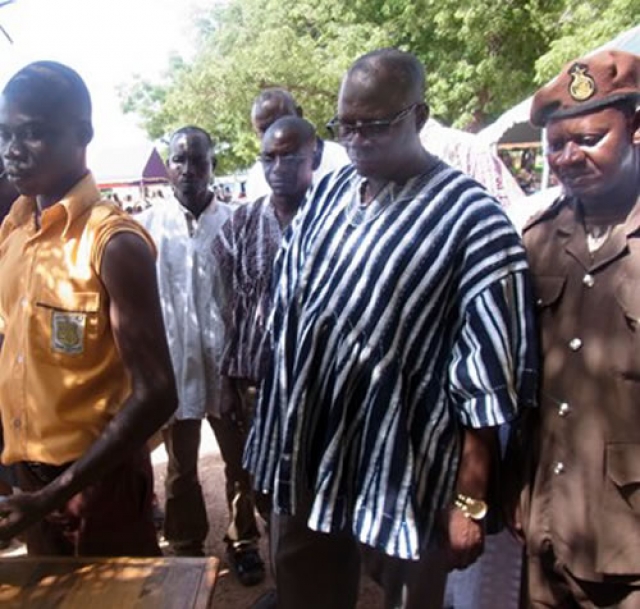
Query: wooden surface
[110,583]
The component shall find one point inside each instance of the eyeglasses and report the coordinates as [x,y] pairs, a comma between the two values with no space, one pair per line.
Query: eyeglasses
[368,129]
[286,160]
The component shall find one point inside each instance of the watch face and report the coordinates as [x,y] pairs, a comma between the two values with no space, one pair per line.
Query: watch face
[477,509]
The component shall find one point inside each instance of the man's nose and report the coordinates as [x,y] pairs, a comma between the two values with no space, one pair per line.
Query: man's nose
[277,163]
[190,167]
[357,138]
[570,153]
[11,148]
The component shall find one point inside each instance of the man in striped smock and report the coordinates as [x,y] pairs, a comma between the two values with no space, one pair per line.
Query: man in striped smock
[242,264]
[402,336]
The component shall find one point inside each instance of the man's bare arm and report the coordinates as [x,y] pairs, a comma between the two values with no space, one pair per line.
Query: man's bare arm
[128,273]
[465,536]
[478,454]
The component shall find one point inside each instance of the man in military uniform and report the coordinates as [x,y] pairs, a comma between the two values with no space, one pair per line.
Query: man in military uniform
[582,510]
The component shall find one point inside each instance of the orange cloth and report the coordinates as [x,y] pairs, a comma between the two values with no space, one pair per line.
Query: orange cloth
[61,376]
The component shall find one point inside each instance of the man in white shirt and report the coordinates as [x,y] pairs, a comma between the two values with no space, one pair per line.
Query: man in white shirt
[268,107]
[183,229]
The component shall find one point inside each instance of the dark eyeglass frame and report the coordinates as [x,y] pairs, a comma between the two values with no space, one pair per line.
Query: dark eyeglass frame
[367,129]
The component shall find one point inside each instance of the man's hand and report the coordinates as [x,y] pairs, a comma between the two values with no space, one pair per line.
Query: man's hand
[19,512]
[464,539]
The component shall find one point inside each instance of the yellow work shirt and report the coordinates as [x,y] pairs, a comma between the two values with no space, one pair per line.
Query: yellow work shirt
[61,376]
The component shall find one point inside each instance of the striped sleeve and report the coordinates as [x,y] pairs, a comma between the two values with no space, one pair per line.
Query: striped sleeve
[221,263]
[493,367]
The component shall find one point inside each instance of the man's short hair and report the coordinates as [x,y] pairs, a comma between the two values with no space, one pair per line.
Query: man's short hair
[300,126]
[193,130]
[405,69]
[278,97]
[59,89]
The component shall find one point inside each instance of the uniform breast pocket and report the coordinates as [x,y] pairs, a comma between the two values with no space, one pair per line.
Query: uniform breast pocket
[618,546]
[548,291]
[625,331]
[64,329]
[548,295]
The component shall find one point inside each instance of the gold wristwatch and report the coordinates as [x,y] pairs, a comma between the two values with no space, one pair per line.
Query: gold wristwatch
[476,509]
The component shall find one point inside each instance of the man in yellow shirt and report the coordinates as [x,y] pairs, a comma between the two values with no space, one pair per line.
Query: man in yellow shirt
[8,193]
[85,373]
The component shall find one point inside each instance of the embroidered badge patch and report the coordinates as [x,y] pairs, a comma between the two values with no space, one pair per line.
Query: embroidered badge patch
[582,85]
[67,332]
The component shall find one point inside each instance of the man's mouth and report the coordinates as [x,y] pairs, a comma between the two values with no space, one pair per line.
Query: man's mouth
[574,177]
[17,173]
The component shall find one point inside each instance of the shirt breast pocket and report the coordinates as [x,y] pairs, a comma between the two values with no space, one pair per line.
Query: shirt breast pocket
[548,291]
[65,328]
[626,354]
[548,296]
[618,547]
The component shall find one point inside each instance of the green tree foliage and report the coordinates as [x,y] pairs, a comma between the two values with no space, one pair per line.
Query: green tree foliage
[583,26]
[482,56]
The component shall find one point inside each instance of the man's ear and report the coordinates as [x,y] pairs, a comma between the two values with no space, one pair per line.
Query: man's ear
[422,115]
[299,111]
[85,132]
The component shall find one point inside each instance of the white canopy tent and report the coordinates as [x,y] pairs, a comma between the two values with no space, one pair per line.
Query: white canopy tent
[513,127]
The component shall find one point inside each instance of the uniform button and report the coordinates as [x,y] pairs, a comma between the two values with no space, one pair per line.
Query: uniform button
[20,358]
[563,409]
[558,468]
[575,344]
[17,423]
[24,302]
[588,280]
[539,302]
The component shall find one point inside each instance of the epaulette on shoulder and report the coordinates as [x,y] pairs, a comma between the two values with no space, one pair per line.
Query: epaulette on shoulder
[546,214]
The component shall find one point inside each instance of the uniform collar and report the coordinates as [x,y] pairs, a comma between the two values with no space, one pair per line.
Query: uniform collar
[79,199]
[72,205]
[570,228]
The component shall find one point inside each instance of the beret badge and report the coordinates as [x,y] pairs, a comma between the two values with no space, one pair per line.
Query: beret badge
[582,85]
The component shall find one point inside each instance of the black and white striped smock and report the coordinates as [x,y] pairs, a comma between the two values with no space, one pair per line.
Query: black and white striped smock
[394,325]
